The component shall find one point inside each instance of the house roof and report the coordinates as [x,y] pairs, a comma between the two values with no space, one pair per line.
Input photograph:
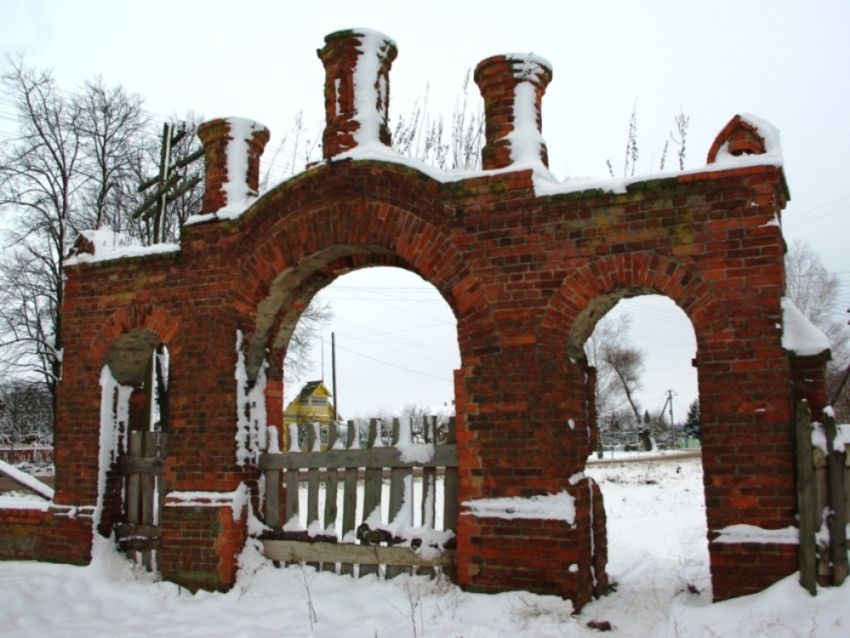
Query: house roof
[310,387]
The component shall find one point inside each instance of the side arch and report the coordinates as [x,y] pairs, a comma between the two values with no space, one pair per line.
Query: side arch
[596,287]
[139,319]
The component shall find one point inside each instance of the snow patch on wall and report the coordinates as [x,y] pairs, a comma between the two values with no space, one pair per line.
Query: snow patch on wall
[237,500]
[109,244]
[114,418]
[23,503]
[752,534]
[239,195]
[800,336]
[369,92]
[544,182]
[559,507]
[251,426]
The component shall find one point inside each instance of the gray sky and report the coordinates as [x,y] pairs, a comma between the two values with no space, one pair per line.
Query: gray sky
[784,61]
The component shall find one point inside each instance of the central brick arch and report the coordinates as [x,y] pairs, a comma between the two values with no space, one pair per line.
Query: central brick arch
[527,264]
[296,244]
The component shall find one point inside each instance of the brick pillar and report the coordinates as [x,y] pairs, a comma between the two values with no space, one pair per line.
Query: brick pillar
[232,150]
[808,381]
[512,87]
[357,89]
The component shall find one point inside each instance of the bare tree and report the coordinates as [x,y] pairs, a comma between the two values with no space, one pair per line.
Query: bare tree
[618,370]
[307,332]
[25,413]
[111,129]
[41,178]
[814,290]
[76,164]
[69,168]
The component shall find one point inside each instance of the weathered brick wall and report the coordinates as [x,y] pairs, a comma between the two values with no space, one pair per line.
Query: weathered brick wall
[49,534]
[20,534]
[527,278]
[199,546]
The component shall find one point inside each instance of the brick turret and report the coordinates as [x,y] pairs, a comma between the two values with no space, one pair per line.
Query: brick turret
[232,150]
[357,90]
[512,87]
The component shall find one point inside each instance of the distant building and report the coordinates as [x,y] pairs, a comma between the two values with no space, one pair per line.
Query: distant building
[312,405]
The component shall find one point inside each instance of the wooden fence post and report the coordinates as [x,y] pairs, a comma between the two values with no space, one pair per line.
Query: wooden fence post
[372,487]
[450,504]
[398,477]
[349,492]
[837,519]
[807,556]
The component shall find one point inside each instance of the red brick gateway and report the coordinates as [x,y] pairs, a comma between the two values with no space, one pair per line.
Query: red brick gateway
[527,264]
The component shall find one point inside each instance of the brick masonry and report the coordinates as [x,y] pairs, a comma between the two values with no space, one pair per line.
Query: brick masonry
[527,278]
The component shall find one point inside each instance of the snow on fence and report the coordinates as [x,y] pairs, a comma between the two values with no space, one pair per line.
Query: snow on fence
[32,454]
[376,529]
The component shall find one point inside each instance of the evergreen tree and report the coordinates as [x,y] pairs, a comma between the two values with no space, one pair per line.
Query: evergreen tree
[692,420]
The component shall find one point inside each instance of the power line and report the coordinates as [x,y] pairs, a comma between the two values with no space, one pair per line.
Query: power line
[392,365]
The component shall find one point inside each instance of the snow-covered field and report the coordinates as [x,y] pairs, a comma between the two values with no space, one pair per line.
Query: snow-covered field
[658,558]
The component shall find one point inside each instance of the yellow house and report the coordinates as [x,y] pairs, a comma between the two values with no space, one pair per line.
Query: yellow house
[312,405]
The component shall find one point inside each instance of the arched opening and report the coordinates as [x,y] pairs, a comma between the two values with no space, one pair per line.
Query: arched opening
[133,422]
[643,350]
[379,373]
[396,346]
[140,361]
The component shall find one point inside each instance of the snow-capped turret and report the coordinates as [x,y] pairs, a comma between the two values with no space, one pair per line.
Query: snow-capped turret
[232,150]
[512,87]
[357,90]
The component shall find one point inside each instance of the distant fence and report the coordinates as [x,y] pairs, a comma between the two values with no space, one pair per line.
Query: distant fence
[341,466]
[638,440]
[36,454]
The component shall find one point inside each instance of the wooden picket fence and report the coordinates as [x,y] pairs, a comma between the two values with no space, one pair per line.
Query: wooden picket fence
[142,468]
[823,499]
[343,463]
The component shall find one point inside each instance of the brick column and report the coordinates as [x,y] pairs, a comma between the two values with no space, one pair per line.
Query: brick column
[357,90]
[232,150]
[512,87]
[522,435]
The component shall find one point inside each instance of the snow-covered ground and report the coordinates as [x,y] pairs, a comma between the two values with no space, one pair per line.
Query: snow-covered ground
[658,558]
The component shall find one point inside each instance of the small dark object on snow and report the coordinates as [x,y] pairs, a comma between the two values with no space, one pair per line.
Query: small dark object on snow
[600,625]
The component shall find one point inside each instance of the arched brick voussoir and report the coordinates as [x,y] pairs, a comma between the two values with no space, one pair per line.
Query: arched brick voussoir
[384,222]
[590,291]
[135,317]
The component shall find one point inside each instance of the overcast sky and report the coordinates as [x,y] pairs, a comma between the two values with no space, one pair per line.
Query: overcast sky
[784,61]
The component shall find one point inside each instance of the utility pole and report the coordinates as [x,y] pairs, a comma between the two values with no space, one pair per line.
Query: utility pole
[333,372]
[672,424]
[155,204]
